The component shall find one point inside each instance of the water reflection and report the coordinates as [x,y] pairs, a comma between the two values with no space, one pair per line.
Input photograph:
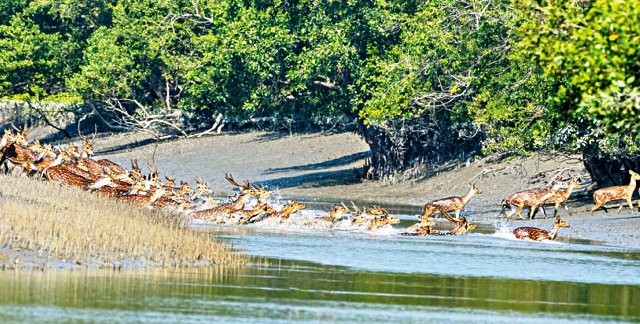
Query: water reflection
[296,290]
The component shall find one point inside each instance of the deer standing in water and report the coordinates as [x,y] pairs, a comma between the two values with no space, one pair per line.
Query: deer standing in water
[537,234]
[605,195]
[445,205]
[533,198]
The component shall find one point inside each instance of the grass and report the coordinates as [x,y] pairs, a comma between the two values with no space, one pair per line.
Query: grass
[71,225]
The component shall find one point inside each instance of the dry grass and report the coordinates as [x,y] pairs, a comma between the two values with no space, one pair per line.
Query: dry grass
[76,226]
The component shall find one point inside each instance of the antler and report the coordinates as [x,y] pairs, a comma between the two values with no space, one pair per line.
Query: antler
[356,209]
[84,139]
[245,186]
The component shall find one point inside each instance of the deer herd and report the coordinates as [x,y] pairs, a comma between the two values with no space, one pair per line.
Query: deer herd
[71,166]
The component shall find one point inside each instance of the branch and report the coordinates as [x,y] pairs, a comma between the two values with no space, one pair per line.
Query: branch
[46,120]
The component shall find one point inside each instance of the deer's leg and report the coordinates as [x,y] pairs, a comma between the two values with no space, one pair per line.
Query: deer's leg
[532,211]
[630,204]
[512,210]
[518,210]
[544,212]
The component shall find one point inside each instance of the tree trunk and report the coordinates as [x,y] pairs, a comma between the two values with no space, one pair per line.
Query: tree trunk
[610,170]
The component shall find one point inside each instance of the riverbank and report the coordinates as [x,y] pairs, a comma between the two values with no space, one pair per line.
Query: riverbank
[46,226]
[325,169]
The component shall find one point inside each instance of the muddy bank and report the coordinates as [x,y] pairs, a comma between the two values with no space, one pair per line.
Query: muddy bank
[324,169]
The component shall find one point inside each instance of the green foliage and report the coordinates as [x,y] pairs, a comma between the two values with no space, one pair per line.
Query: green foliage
[592,49]
[421,76]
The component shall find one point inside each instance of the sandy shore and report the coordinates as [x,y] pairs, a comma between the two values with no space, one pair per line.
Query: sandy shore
[325,169]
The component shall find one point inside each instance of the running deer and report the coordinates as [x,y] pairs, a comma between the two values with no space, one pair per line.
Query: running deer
[336,213]
[358,216]
[381,217]
[422,228]
[561,197]
[239,216]
[143,200]
[605,195]
[62,174]
[112,167]
[537,234]
[462,226]
[533,198]
[284,214]
[20,156]
[51,159]
[445,205]
[201,189]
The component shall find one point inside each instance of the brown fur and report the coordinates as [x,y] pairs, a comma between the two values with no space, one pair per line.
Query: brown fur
[532,198]
[605,195]
[450,204]
[537,234]
[112,166]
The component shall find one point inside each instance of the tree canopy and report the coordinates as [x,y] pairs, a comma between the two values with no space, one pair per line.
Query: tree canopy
[423,80]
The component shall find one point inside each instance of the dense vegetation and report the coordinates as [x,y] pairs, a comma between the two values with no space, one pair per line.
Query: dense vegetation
[424,80]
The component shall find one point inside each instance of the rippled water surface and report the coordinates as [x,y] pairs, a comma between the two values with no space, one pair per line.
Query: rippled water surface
[354,276]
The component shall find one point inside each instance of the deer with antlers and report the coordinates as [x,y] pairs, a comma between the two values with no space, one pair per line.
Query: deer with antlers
[381,217]
[533,198]
[284,214]
[604,195]
[422,228]
[450,204]
[336,213]
[462,225]
[87,144]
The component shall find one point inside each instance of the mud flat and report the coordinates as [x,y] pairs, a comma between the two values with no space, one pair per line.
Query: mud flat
[324,169]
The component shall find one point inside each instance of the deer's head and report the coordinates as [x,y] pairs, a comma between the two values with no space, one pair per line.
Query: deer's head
[87,144]
[560,222]
[203,188]
[21,135]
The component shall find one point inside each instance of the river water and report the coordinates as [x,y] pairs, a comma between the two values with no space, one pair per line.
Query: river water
[353,276]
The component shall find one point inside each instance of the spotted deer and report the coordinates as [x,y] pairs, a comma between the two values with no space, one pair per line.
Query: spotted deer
[462,225]
[422,228]
[238,216]
[6,140]
[358,216]
[536,234]
[112,166]
[336,213]
[62,174]
[87,144]
[21,156]
[604,195]
[532,198]
[450,204]
[561,197]
[142,200]
[381,217]
[284,214]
